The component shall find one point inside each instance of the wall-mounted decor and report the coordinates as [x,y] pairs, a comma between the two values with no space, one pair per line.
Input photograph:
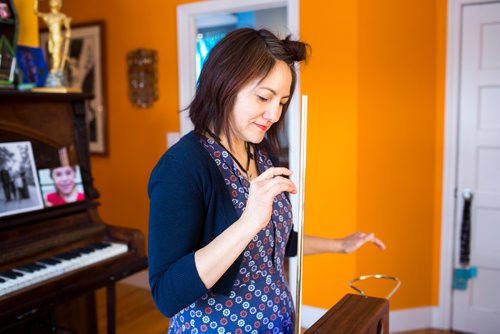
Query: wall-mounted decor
[142,77]
[85,70]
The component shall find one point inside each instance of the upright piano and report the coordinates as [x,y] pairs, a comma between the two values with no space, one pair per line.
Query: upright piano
[52,259]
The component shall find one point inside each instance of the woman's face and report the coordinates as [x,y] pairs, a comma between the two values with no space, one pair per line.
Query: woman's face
[259,104]
[64,179]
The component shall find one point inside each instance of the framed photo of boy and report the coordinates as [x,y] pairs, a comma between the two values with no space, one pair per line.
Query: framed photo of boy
[85,70]
[61,185]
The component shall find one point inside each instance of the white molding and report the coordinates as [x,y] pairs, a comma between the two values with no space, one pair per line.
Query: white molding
[311,314]
[411,319]
[186,46]
[400,320]
[209,21]
[442,314]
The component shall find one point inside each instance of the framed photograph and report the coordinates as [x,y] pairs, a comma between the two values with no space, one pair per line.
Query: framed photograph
[85,70]
[20,188]
[61,185]
[5,11]
[31,62]
[7,63]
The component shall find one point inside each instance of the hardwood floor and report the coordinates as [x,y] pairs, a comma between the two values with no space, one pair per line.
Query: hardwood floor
[429,331]
[137,313]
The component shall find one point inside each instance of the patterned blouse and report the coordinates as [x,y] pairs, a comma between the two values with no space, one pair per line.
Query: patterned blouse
[260,301]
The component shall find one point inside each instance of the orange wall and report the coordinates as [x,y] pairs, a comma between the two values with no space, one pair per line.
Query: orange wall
[396,152]
[330,80]
[28,23]
[375,85]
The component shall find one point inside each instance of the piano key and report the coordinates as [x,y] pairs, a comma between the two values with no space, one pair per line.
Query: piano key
[30,268]
[49,261]
[66,256]
[86,250]
[10,274]
[8,285]
[38,266]
[19,278]
[26,269]
[101,245]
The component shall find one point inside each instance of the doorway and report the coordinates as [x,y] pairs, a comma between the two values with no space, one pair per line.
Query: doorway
[471,181]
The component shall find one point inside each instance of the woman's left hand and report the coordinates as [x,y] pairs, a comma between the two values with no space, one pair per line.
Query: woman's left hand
[354,241]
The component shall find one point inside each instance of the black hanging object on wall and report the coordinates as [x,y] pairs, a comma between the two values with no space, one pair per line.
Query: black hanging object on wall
[465,231]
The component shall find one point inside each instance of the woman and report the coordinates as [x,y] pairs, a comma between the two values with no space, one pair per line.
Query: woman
[64,182]
[220,222]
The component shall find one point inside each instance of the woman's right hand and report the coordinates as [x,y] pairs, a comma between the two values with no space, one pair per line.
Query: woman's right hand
[263,190]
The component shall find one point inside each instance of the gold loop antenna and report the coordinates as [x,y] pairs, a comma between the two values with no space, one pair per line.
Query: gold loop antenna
[375,276]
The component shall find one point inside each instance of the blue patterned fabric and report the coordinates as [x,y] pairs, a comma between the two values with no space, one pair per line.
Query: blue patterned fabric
[260,301]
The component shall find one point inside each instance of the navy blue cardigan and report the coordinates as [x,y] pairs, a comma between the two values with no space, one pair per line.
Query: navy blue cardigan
[189,206]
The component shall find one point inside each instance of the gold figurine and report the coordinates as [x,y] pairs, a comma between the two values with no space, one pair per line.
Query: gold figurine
[58,44]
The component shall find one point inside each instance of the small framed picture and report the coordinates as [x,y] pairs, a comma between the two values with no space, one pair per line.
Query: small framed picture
[61,185]
[32,64]
[4,10]
[20,187]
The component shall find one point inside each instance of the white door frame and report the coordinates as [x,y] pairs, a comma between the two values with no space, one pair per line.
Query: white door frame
[443,313]
[186,43]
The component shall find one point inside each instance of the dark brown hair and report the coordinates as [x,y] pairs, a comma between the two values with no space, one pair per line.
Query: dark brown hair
[241,56]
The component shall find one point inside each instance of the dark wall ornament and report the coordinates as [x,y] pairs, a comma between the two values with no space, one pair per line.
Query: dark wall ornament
[143,77]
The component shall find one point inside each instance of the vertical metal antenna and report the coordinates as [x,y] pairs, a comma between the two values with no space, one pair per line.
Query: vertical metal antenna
[300,220]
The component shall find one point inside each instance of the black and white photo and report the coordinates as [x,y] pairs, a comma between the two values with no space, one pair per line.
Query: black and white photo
[20,188]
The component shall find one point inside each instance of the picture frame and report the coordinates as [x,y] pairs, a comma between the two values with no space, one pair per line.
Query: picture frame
[5,12]
[31,63]
[20,189]
[85,70]
[61,185]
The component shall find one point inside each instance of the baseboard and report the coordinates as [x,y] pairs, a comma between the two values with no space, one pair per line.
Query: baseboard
[139,280]
[411,319]
[311,314]
[400,320]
